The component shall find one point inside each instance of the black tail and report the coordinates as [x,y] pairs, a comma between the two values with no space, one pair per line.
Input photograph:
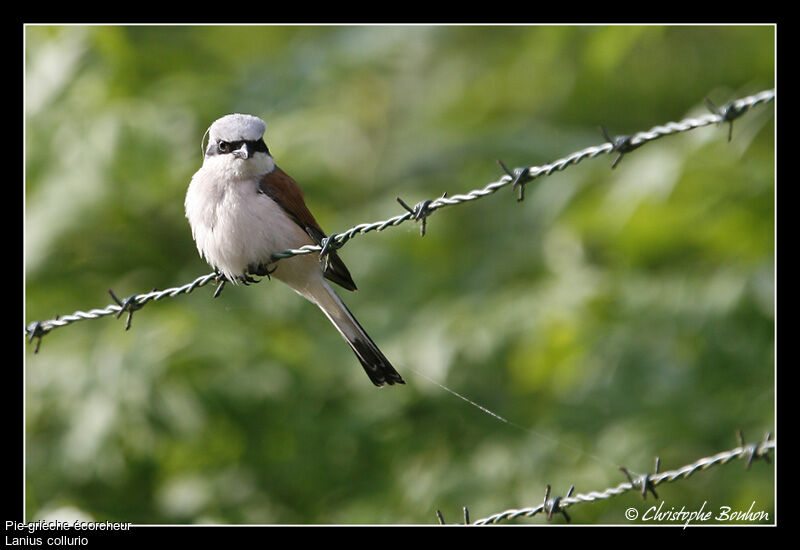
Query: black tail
[375,364]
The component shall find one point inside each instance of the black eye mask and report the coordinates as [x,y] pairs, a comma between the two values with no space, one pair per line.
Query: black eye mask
[222,147]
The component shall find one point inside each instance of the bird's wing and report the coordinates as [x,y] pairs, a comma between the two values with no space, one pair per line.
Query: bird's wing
[281,188]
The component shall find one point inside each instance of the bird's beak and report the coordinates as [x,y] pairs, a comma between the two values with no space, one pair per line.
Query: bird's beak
[242,152]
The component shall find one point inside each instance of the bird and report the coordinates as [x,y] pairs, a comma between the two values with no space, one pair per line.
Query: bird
[242,208]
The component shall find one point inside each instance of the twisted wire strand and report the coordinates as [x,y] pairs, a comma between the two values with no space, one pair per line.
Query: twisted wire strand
[39,328]
[521,176]
[750,452]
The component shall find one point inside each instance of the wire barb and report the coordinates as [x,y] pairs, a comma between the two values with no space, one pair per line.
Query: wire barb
[754,450]
[421,211]
[519,177]
[644,481]
[129,304]
[727,113]
[37,330]
[221,280]
[621,144]
[553,505]
[440,517]
[329,244]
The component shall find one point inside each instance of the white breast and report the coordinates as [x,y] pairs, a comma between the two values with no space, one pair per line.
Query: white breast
[235,226]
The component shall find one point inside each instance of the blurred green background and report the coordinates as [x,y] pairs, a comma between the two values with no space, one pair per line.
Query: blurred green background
[614,315]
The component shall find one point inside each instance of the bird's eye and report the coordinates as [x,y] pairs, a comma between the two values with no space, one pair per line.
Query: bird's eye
[223,146]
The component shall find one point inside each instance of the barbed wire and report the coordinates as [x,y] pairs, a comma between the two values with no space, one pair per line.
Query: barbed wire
[644,483]
[517,178]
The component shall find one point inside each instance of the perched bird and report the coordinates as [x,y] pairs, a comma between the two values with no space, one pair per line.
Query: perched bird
[243,209]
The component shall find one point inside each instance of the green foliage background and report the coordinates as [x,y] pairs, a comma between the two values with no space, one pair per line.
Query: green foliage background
[615,315]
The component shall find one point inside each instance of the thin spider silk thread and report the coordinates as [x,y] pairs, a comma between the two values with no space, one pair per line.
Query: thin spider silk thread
[536,433]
